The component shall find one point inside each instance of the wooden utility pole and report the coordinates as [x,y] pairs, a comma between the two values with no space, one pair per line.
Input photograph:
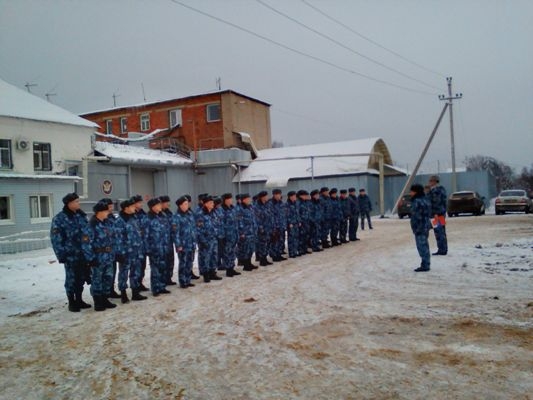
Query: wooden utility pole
[450,100]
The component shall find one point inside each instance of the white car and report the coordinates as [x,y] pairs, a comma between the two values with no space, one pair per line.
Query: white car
[513,200]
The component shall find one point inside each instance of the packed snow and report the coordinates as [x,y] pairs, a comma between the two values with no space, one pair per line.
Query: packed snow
[350,322]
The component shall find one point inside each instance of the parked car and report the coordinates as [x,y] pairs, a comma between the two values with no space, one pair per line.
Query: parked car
[404,206]
[466,202]
[513,200]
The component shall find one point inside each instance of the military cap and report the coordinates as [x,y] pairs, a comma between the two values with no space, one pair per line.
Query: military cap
[291,193]
[207,198]
[333,191]
[324,189]
[262,193]
[202,195]
[303,192]
[70,197]
[314,192]
[276,191]
[417,188]
[361,190]
[181,200]
[100,206]
[153,202]
[137,198]
[344,191]
[217,199]
[351,190]
[107,200]
[226,196]
[238,196]
[164,199]
[126,203]
[188,196]
[244,196]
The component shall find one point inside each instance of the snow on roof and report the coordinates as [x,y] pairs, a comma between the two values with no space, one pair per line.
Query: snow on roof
[17,103]
[283,163]
[132,154]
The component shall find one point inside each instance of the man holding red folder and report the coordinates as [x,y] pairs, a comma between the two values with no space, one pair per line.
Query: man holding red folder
[437,197]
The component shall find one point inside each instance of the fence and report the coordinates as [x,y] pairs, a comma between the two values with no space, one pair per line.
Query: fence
[24,241]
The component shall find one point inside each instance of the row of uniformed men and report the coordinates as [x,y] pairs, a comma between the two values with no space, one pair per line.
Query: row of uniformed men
[222,233]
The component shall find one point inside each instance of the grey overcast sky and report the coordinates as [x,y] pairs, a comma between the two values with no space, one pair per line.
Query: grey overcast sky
[333,85]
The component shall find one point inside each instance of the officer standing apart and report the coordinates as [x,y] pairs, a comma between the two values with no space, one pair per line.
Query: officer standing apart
[420,225]
[365,206]
[437,197]
[65,233]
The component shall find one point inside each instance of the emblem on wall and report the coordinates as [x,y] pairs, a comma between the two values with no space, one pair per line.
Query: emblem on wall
[107,186]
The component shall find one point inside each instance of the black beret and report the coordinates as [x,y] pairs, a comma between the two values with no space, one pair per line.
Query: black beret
[291,193]
[107,200]
[217,199]
[126,203]
[153,202]
[70,197]
[351,190]
[324,189]
[226,196]
[188,196]
[361,190]
[315,191]
[164,199]
[344,191]
[300,192]
[181,200]
[202,195]
[276,191]
[262,193]
[137,198]
[245,196]
[207,198]
[100,206]
[333,191]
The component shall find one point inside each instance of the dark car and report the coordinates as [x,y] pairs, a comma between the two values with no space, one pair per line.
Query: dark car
[466,202]
[513,200]
[404,206]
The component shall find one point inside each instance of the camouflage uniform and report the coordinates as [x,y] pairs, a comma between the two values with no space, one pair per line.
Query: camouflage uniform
[184,237]
[335,218]
[207,242]
[420,225]
[167,213]
[305,222]
[99,249]
[315,218]
[437,197]
[353,221]
[346,210]
[247,229]
[365,206]
[130,234]
[277,209]
[264,230]
[66,233]
[325,203]
[157,244]
[293,228]
[110,222]
[142,219]
[229,234]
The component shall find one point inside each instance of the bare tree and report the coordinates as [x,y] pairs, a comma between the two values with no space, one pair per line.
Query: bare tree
[503,173]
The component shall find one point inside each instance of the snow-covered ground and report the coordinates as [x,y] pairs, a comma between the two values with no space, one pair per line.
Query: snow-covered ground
[351,322]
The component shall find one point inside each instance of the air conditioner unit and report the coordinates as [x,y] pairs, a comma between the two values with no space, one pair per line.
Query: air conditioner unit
[23,144]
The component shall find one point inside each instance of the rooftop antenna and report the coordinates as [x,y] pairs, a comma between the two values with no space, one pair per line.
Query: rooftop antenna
[219,83]
[29,85]
[48,95]
[144,94]
[115,95]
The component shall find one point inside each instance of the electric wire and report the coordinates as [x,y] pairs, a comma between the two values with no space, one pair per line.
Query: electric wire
[343,45]
[291,49]
[370,40]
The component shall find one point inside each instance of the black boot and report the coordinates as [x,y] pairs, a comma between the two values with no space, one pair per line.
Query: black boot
[98,305]
[207,277]
[136,295]
[214,276]
[240,261]
[124,297]
[234,272]
[248,263]
[106,303]
[113,294]
[194,276]
[72,304]
[143,288]
[263,262]
[80,302]
[229,273]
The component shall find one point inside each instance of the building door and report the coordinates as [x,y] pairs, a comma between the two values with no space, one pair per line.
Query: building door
[142,182]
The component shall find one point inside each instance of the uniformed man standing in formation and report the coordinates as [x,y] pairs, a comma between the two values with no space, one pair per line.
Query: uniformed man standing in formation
[90,250]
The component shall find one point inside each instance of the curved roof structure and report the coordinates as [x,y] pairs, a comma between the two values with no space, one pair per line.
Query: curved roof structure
[323,159]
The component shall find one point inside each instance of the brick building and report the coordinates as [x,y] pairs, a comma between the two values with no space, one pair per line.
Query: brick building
[216,120]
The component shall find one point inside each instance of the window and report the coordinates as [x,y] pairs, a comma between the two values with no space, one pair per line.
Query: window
[6,211]
[174,117]
[213,112]
[145,122]
[42,159]
[123,125]
[108,126]
[5,154]
[40,208]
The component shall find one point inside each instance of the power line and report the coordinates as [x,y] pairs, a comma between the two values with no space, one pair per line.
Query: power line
[344,46]
[321,60]
[370,40]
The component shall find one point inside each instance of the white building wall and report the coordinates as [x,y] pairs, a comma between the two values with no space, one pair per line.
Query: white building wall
[68,142]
